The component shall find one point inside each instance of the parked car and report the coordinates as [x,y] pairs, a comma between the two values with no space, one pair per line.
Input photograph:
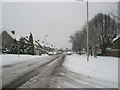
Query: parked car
[69,53]
[50,53]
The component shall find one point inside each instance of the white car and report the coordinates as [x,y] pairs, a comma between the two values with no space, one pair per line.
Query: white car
[69,53]
[50,53]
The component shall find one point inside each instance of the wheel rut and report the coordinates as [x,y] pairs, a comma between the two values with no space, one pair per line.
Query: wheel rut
[23,77]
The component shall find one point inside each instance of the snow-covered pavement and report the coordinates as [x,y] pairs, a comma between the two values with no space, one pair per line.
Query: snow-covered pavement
[0,71]
[102,68]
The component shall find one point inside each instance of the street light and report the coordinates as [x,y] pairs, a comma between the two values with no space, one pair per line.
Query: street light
[45,40]
[87,30]
[87,33]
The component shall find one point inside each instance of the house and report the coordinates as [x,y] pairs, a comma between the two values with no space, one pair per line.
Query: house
[6,41]
[115,49]
[95,50]
[49,48]
[116,43]
[0,48]
[40,48]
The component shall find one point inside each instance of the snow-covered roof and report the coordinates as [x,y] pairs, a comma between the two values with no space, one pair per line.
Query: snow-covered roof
[48,46]
[42,44]
[38,44]
[118,36]
[9,32]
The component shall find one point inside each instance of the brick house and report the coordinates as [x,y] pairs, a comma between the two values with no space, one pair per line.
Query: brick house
[6,41]
[49,48]
[116,43]
[42,49]
[38,48]
[115,49]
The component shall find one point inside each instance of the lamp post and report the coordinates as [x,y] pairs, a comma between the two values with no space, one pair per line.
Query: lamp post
[45,40]
[87,30]
[87,33]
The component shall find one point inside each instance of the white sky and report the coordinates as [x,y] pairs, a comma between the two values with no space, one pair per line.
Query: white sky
[0,16]
[57,19]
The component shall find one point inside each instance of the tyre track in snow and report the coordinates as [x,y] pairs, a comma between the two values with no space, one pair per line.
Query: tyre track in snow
[64,78]
[42,79]
[17,77]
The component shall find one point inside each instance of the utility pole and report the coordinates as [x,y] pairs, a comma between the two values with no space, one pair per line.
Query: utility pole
[87,33]
[45,40]
[87,29]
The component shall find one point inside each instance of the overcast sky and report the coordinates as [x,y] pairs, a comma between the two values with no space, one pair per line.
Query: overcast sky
[58,20]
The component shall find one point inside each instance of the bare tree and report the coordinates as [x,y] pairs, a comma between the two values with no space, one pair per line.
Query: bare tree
[102,30]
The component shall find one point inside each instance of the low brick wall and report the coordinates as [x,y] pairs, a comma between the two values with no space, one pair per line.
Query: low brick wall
[113,53]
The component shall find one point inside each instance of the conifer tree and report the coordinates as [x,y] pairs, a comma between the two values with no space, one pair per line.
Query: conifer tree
[22,45]
[30,49]
[14,47]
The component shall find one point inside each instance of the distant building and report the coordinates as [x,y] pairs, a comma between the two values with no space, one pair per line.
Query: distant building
[116,43]
[5,41]
[42,49]
[38,48]
[0,44]
[49,48]
[115,49]
[97,49]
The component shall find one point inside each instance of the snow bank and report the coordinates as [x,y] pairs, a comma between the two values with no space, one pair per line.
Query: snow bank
[13,58]
[0,71]
[102,68]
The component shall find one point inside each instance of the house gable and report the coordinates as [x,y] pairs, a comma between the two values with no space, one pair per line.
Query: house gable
[7,40]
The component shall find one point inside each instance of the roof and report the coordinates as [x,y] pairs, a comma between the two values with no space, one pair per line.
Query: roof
[48,46]
[38,44]
[6,33]
[12,35]
[9,33]
[118,36]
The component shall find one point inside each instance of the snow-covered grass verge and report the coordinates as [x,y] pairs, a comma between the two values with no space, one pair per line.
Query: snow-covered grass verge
[7,59]
[0,71]
[103,67]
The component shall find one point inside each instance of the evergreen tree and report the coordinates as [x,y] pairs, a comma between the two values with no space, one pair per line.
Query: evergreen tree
[14,47]
[30,48]
[22,46]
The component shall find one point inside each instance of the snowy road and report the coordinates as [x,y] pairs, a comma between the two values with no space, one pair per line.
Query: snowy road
[15,75]
[50,72]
